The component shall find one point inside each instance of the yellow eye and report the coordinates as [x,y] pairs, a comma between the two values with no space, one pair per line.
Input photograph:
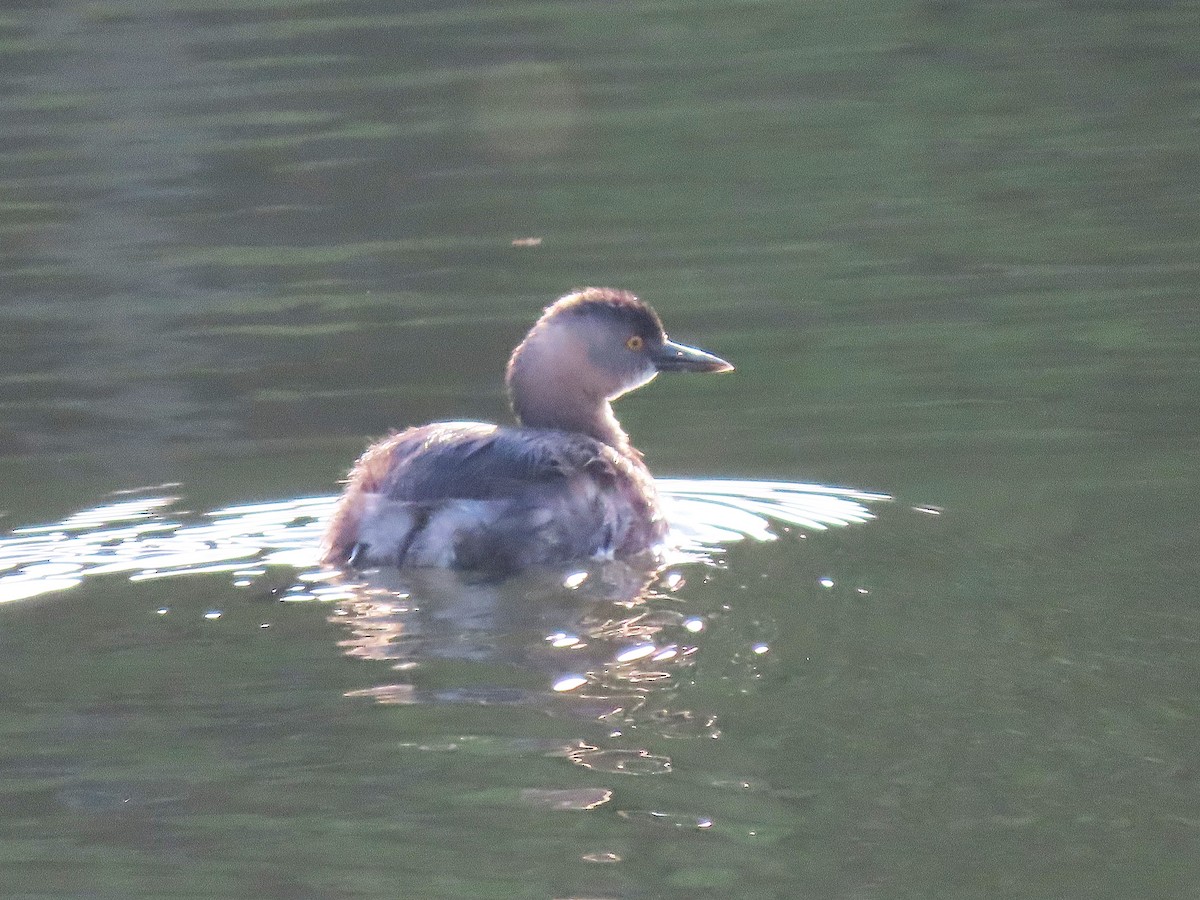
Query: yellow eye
[635,342]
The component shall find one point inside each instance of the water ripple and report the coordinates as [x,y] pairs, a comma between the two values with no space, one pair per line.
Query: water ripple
[149,538]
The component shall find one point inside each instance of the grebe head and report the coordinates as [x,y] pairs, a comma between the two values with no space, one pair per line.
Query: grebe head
[587,349]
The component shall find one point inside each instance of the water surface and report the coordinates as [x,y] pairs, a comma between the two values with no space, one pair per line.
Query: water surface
[952,248]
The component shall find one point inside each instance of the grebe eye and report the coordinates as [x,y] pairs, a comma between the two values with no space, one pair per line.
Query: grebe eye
[635,342]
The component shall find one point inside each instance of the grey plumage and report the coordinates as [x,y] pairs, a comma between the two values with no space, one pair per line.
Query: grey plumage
[477,496]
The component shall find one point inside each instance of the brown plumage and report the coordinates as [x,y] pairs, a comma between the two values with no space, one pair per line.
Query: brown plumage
[567,485]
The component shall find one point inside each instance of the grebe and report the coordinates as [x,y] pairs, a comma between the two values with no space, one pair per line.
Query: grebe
[565,485]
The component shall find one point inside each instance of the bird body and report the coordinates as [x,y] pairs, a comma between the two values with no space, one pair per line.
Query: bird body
[565,485]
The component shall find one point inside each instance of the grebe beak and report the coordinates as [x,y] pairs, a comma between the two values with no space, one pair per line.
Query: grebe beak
[673,357]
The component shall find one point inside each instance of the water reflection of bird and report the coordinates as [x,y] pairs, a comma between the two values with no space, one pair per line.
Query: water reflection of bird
[567,484]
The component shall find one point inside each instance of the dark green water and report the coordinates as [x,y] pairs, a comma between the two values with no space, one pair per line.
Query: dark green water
[952,247]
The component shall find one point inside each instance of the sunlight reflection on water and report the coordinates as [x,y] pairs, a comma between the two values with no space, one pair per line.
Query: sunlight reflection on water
[141,537]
